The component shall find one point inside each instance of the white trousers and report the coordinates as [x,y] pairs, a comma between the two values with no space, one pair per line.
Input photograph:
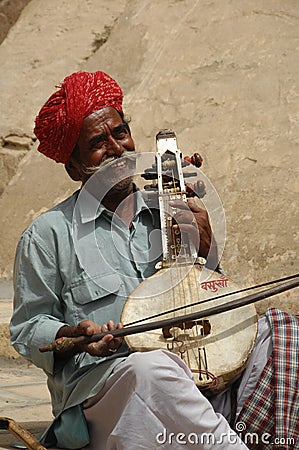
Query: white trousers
[151,402]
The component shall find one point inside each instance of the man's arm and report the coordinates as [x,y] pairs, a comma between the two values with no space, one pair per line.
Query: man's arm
[37,314]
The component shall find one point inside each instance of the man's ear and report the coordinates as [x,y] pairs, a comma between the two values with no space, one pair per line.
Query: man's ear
[73,168]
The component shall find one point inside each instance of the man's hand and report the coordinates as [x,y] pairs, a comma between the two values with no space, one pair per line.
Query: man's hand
[194,220]
[105,347]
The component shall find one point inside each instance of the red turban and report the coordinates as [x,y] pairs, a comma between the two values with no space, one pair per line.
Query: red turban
[59,122]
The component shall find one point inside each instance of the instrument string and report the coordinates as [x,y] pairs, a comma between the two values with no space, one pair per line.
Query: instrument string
[198,341]
[172,251]
[177,252]
[193,334]
[184,298]
[197,332]
[184,291]
[177,246]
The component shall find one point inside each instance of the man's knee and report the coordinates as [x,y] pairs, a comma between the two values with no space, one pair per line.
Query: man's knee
[156,365]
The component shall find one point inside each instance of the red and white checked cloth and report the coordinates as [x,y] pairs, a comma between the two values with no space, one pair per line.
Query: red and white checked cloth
[271,413]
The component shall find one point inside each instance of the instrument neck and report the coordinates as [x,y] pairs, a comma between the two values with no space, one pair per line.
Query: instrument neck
[176,246]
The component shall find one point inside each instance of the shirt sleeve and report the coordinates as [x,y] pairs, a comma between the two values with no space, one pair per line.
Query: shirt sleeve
[38,312]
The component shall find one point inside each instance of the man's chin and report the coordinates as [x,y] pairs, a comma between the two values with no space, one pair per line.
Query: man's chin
[124,187]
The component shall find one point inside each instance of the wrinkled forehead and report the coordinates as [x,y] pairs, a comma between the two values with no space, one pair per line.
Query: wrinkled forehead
[105,114]
[98,122]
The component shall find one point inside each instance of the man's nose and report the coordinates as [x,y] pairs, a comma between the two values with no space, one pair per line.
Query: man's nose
[114,147]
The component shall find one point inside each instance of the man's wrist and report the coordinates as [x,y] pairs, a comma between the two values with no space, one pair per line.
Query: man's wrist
[65,331]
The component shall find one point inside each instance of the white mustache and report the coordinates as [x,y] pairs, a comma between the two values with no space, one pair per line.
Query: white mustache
[93,169]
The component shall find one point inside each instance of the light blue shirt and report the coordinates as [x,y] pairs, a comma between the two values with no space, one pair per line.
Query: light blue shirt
[52,289]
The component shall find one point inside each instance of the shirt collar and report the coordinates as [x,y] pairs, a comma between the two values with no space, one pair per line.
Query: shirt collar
[90,208]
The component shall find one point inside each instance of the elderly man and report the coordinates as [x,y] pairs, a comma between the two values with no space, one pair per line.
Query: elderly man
[102,397]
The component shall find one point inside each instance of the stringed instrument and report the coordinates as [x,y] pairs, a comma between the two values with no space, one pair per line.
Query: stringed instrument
[202,314]
[216,348]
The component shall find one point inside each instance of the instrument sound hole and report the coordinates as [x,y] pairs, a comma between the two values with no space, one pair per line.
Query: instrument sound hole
[203,325]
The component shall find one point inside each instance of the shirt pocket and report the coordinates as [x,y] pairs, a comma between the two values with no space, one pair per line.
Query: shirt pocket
[86,290]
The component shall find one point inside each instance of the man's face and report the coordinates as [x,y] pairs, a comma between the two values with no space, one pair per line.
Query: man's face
[103,135]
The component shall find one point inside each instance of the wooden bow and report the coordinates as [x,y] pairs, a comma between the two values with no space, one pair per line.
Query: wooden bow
[66,343]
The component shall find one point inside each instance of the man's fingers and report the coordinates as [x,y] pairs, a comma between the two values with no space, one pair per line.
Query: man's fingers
[108,344]
[99,348]
[190,205]
[111,325]
[192,231]
[180,204]
[88,327]
[107,339]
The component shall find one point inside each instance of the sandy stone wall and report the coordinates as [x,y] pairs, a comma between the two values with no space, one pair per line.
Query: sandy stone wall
[223,75]
[9,13]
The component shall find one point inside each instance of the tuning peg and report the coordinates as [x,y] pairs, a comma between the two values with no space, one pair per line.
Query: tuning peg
[149,174]
[197,189]
[195,159]
[151,187]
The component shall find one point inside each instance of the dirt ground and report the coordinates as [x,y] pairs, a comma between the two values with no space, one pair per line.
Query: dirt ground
[223,75]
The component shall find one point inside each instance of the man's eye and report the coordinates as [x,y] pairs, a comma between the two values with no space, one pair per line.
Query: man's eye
[121,134]
[97,146]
